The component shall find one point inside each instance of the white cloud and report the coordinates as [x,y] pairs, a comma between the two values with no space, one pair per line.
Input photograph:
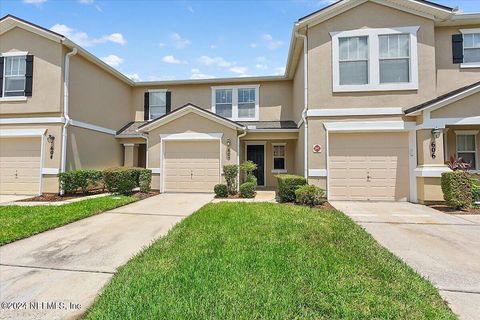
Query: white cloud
[253,45]
[134,76]
[261,63]
[172,60]
[213,46]
[196,74]
[239,70]
[91,2]
[261,66]
[83,39]
[218,62]
[113,60]
[179,42]
[161,44]
[35,2]
[279,71]
[270,42]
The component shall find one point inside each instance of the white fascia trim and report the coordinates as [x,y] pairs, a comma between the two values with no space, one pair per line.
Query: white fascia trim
[53,171]
[430,171]
[272,130]
[440,123]
[387,126]
[32,120]
[93,127]
[191,136]
[374,58]
[317,172]
[14,53]
[470,31]
[22,132]
[354,112]
[279,171]
[13,99]
[467,132]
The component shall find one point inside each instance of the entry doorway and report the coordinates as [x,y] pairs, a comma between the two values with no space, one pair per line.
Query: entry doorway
[256,153]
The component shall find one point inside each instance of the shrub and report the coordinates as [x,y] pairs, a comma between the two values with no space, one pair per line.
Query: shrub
[457,189]
[248,167]
[121,180]
[457,163]
[145,180]
[247,190]
[287,184]
[253,179]
[309,195]
[221,190]
[84,179]
[476,189]
[231,172]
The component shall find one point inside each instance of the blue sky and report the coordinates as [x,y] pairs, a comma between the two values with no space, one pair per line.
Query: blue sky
[171,40]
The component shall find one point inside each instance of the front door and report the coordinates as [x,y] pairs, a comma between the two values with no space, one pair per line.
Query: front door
[256,153]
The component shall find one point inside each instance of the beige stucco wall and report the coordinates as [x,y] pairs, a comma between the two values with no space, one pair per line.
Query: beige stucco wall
[47,73]
[275,98]
[190,122]
[298,90]
[92,149]
[368,15]
[97,97]
[466,107]
[429,189]
[449,75]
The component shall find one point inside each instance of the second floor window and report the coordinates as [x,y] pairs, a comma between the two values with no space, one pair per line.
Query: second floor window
[236,102]
[158,104]
[14,76]
[394,58]
[353,60]
[471,47]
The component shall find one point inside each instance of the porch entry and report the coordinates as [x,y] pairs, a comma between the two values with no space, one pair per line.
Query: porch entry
[256,153]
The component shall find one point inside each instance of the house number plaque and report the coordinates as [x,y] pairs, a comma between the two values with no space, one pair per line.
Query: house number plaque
[433,146]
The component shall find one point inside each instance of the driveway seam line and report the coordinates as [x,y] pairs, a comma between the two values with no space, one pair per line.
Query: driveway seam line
[423,223]
[55,269]
[460,291]
[148,214]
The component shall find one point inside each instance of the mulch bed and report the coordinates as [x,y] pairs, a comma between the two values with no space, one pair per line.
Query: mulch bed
[447,209]
[55,197]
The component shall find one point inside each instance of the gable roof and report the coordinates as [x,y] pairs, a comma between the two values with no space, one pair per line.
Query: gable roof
[445,99]
[184,110]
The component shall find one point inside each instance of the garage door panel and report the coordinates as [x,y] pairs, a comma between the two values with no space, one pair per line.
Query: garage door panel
[381,156]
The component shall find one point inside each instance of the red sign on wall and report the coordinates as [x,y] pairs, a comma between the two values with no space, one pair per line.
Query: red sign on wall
[317,148]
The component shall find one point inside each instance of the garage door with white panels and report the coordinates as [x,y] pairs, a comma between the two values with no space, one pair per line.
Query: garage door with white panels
[369,166]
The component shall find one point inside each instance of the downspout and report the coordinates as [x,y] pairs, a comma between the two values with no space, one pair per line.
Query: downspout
[305,99]
[65,111]
[238,155]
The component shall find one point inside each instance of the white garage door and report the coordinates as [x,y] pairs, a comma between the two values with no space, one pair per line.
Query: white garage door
[369,166]
[20,165]
[191,166]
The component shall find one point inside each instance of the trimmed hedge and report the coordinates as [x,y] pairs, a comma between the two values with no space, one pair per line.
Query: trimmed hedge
[287,185]
[145,180]
[221,190]
[124,180]
[457,189]
[476,189]
[247,190]
[309,195]
[83,179]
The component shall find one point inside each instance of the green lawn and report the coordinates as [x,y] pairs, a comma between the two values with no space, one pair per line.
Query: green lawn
[267,261]
[19,222]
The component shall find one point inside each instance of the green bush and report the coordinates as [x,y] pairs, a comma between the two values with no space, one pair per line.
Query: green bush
[248,167]
[309,195]
[251,178]
[247,190]
[457,189]
[121,180]
[231,173]
[83,179]
[476,189]
[287,184]
[144,180]
[221,190]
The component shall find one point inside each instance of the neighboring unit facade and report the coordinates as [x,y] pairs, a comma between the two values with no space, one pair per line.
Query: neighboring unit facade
[376,96]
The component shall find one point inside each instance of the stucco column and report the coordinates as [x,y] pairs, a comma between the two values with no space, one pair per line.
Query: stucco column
[430,149]
[130,155]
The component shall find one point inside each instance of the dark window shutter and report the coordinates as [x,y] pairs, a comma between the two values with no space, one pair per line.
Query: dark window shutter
[168,100]
[146,107]
[457,48]
[1,76]
[29,76]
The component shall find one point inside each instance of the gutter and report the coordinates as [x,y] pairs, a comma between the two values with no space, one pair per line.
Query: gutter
[65,111]
[305,100]
[238,155]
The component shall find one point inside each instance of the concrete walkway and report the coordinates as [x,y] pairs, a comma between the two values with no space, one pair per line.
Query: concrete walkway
[67,267]
[443,248]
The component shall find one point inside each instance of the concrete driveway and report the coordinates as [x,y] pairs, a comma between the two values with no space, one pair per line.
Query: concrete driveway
[57,274]
[443,248]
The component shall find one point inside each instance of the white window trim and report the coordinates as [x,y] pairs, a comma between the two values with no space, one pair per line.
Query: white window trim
[374,60]
[149,109]
[285,170]
[473,133]
[467,65]
[235,100]
[4,98]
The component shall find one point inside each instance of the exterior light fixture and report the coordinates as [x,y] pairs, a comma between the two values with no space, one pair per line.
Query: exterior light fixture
[436,133]
[51,140]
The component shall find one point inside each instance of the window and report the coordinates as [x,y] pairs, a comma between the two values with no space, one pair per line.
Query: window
[381,59]
[394,58]
[14,76]
[236,102]
[157,103]
[279,158]
[471,47]
[467,148]
[353,60]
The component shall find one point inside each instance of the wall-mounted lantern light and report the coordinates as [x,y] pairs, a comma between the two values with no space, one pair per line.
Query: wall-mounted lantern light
[436,133]
[433,146]
[51,140]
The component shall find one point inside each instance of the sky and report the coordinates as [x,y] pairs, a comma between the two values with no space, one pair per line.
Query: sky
[174,40]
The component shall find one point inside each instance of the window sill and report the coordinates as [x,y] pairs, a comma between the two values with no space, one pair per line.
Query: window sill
[470,65]
[279,171]
[13,99]
[376,87]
